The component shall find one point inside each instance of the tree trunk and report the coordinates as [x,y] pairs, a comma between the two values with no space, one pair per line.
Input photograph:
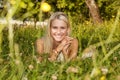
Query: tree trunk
[94,11]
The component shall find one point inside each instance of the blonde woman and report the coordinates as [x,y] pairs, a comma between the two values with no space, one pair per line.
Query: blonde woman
[57,42]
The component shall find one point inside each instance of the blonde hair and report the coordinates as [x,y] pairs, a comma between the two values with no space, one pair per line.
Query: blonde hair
[48,44]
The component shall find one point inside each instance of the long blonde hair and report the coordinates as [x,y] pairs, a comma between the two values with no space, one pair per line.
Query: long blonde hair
[48,41]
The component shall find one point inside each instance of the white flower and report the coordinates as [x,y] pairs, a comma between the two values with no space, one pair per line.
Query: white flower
[24,78]
[54,77]
[88,52]
[31,66]
[17,62]
[104,70]
[72,70]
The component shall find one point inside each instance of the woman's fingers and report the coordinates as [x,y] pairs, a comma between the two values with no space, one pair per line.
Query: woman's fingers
[68,38]
[66,42]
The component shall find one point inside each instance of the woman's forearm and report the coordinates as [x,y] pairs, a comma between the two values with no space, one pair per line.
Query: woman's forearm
[53,55]
[73,56]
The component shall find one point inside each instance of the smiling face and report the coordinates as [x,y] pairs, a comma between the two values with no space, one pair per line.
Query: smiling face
[58,30]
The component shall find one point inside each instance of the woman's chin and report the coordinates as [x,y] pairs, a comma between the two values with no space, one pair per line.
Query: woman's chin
[58,40]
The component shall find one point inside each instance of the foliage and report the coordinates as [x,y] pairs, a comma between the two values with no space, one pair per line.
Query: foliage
[76,8]
[108,9]
[26,36]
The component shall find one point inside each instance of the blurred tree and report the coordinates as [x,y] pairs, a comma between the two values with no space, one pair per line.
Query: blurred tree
[94,10]
[76,8]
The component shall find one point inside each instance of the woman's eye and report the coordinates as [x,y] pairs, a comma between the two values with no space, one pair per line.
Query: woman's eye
[54,27]
[62,27]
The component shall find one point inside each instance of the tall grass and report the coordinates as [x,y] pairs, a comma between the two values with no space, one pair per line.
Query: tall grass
[18,57]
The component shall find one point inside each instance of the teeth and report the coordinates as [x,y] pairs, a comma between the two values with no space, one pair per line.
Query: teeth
[58,36]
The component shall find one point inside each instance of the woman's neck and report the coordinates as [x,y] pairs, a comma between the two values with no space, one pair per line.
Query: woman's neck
[55,44]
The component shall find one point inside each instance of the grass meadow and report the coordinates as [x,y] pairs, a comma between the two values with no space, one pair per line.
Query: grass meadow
[98,54]
[18,56]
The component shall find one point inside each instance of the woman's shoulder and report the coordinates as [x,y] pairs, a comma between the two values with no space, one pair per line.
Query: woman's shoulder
[74,44]
[75,40]
[40,40]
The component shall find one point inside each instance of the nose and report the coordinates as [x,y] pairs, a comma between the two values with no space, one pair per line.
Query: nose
[59,31]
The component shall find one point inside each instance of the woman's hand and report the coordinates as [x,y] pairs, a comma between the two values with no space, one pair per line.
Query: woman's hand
[64,45]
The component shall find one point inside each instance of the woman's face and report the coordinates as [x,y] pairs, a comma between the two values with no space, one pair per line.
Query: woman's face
[58,30]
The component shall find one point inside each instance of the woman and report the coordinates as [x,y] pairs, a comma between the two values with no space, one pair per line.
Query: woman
[57,42]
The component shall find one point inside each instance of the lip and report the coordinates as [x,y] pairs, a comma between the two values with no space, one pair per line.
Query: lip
[58,36]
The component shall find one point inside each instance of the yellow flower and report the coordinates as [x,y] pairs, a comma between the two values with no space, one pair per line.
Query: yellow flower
[45,7]
[23,5]
[103,78]
[12,2]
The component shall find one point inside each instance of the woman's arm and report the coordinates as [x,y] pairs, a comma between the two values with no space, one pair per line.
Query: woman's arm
[39,48]
[62,47]
[40,51]
[73,49]
[69,48]
[53,55]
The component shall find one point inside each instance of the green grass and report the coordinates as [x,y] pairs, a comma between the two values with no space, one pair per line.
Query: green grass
[18,56]
[24,65]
